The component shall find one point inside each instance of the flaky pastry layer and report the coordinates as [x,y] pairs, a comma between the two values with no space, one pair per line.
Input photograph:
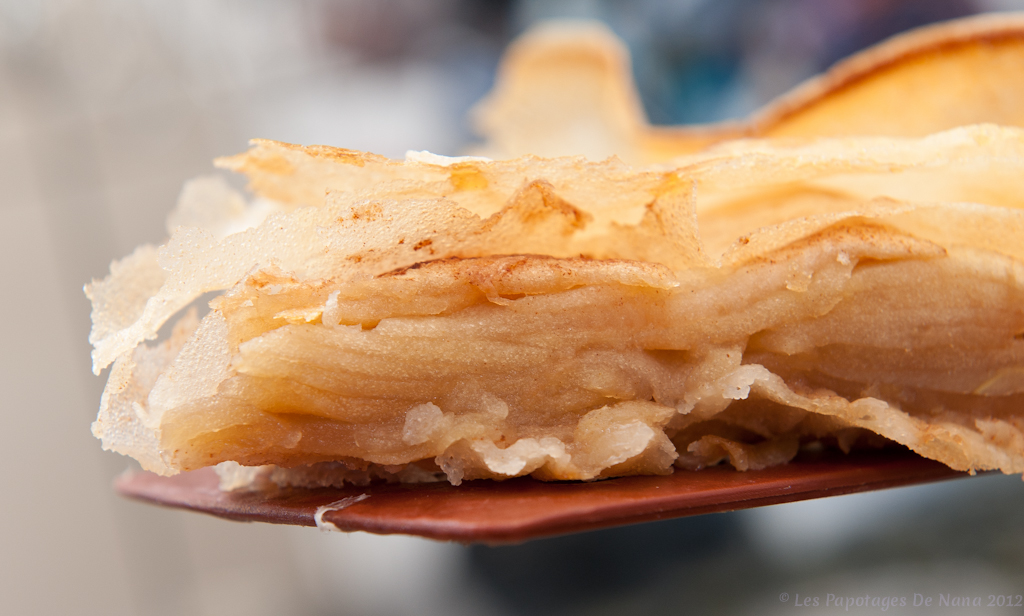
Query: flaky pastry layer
[574,320]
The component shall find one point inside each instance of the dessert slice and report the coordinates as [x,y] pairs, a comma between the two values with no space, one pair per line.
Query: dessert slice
[572,320]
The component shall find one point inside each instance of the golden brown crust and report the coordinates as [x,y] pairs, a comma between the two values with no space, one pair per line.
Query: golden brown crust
[922,44]
[955,73]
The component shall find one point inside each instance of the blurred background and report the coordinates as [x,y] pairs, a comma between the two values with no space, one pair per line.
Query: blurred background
[107,106]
